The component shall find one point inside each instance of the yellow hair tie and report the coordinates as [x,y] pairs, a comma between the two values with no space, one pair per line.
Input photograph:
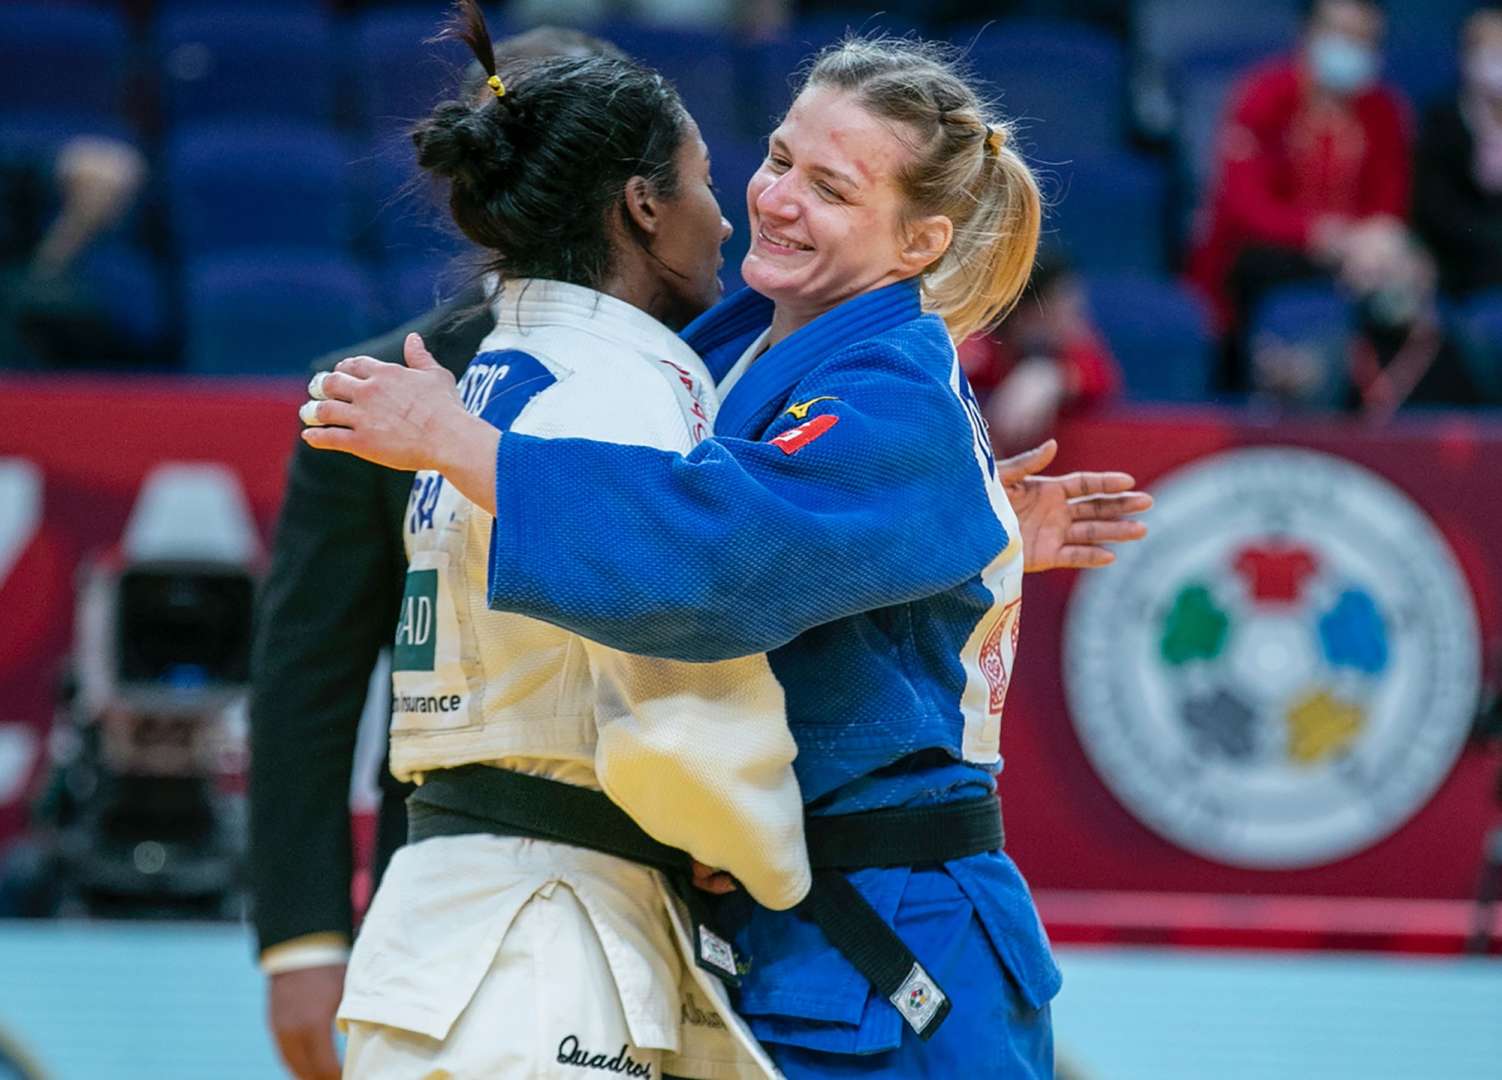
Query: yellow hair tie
[996,138]
[494,82]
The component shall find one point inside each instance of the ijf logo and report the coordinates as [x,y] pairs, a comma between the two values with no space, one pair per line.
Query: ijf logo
[1285,670]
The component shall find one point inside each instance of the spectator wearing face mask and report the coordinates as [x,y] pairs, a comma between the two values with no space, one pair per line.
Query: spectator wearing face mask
[1457,199]
[1312,149]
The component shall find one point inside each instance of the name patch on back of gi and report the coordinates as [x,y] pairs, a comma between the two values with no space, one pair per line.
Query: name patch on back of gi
[498,384]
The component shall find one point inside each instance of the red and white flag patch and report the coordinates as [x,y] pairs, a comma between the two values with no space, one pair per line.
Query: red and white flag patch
[796,438]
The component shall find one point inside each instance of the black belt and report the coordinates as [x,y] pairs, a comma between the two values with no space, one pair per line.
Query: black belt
[481,799]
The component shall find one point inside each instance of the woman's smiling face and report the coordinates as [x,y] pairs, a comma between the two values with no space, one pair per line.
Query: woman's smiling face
[826,209]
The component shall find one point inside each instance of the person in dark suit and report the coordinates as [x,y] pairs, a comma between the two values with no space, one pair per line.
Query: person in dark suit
[326,610]
[1457,195]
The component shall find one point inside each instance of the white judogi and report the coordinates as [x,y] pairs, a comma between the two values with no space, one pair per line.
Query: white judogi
[500,956]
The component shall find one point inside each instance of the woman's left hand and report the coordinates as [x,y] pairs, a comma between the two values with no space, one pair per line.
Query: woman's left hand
[1067,520]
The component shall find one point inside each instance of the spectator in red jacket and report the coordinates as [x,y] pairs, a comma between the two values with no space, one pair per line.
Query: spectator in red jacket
[1045,360]
[1314,152]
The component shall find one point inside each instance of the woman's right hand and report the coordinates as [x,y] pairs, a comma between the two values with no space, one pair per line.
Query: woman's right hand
[400,417]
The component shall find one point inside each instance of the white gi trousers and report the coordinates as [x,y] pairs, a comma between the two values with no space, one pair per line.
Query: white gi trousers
[595,978]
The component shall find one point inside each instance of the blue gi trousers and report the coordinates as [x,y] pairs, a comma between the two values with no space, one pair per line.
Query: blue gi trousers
[991,1031]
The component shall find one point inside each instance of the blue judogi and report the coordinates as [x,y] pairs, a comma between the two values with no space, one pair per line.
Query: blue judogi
[843,519]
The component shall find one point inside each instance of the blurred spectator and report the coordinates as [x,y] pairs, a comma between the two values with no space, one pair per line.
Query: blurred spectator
[1396,349]
[1044,361]
[1313,147]
[1457,197]
[47,316]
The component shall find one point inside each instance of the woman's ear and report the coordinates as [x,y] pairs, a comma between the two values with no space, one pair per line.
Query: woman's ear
[928,238]
[641,205]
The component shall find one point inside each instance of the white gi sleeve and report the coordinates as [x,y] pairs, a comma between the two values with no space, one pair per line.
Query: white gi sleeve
[699,755]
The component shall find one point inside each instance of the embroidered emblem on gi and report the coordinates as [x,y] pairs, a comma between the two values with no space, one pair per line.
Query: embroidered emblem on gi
[571,1053]
[993,661]
[799,411]
[918,999]
[794,439]
[1285,671]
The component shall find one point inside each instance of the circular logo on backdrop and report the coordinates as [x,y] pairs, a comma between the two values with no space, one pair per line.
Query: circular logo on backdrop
[1283,672]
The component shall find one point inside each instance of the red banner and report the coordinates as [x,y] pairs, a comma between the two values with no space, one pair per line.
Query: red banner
[1070,830]
[1193,640]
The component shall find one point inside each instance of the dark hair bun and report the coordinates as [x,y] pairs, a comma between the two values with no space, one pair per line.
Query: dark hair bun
[469,145]
[538,175]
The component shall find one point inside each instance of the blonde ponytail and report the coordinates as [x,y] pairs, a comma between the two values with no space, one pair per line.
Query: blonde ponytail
[965,168]
[981,276]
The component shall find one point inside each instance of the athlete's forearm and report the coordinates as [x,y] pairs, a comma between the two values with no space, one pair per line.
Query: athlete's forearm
[466,456]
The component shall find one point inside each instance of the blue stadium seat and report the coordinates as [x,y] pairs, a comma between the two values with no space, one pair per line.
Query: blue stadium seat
[1313,313]
[176,7]
[1482,316]
[395,73]
[1165,32]
[129,287]
[273,312]
[820,28]
[1111,214]
[401,214]
[1065,83]
[1424,70]
[771,70]
[33,134]
[417,285]
[62,58]
[1160,333]
[257,187]
[219,62]
[1314,319]
[1427,21]
[1170,33]
[703,65]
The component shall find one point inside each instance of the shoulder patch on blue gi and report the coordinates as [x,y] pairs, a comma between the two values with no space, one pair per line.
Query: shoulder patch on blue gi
[796,438]
[799,409]
[498,384]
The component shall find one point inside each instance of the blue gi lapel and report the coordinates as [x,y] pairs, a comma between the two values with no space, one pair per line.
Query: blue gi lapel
[772,377]
[725,331]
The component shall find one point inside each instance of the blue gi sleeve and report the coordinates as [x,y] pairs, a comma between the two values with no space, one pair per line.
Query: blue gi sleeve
[866,492]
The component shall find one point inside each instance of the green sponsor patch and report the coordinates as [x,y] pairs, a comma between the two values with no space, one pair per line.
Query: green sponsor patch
[416,625]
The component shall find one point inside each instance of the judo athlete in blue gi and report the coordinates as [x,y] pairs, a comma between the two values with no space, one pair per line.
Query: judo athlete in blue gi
[847,520]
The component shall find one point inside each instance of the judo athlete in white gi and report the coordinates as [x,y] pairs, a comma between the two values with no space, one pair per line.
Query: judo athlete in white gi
[848,519]
[513,955]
